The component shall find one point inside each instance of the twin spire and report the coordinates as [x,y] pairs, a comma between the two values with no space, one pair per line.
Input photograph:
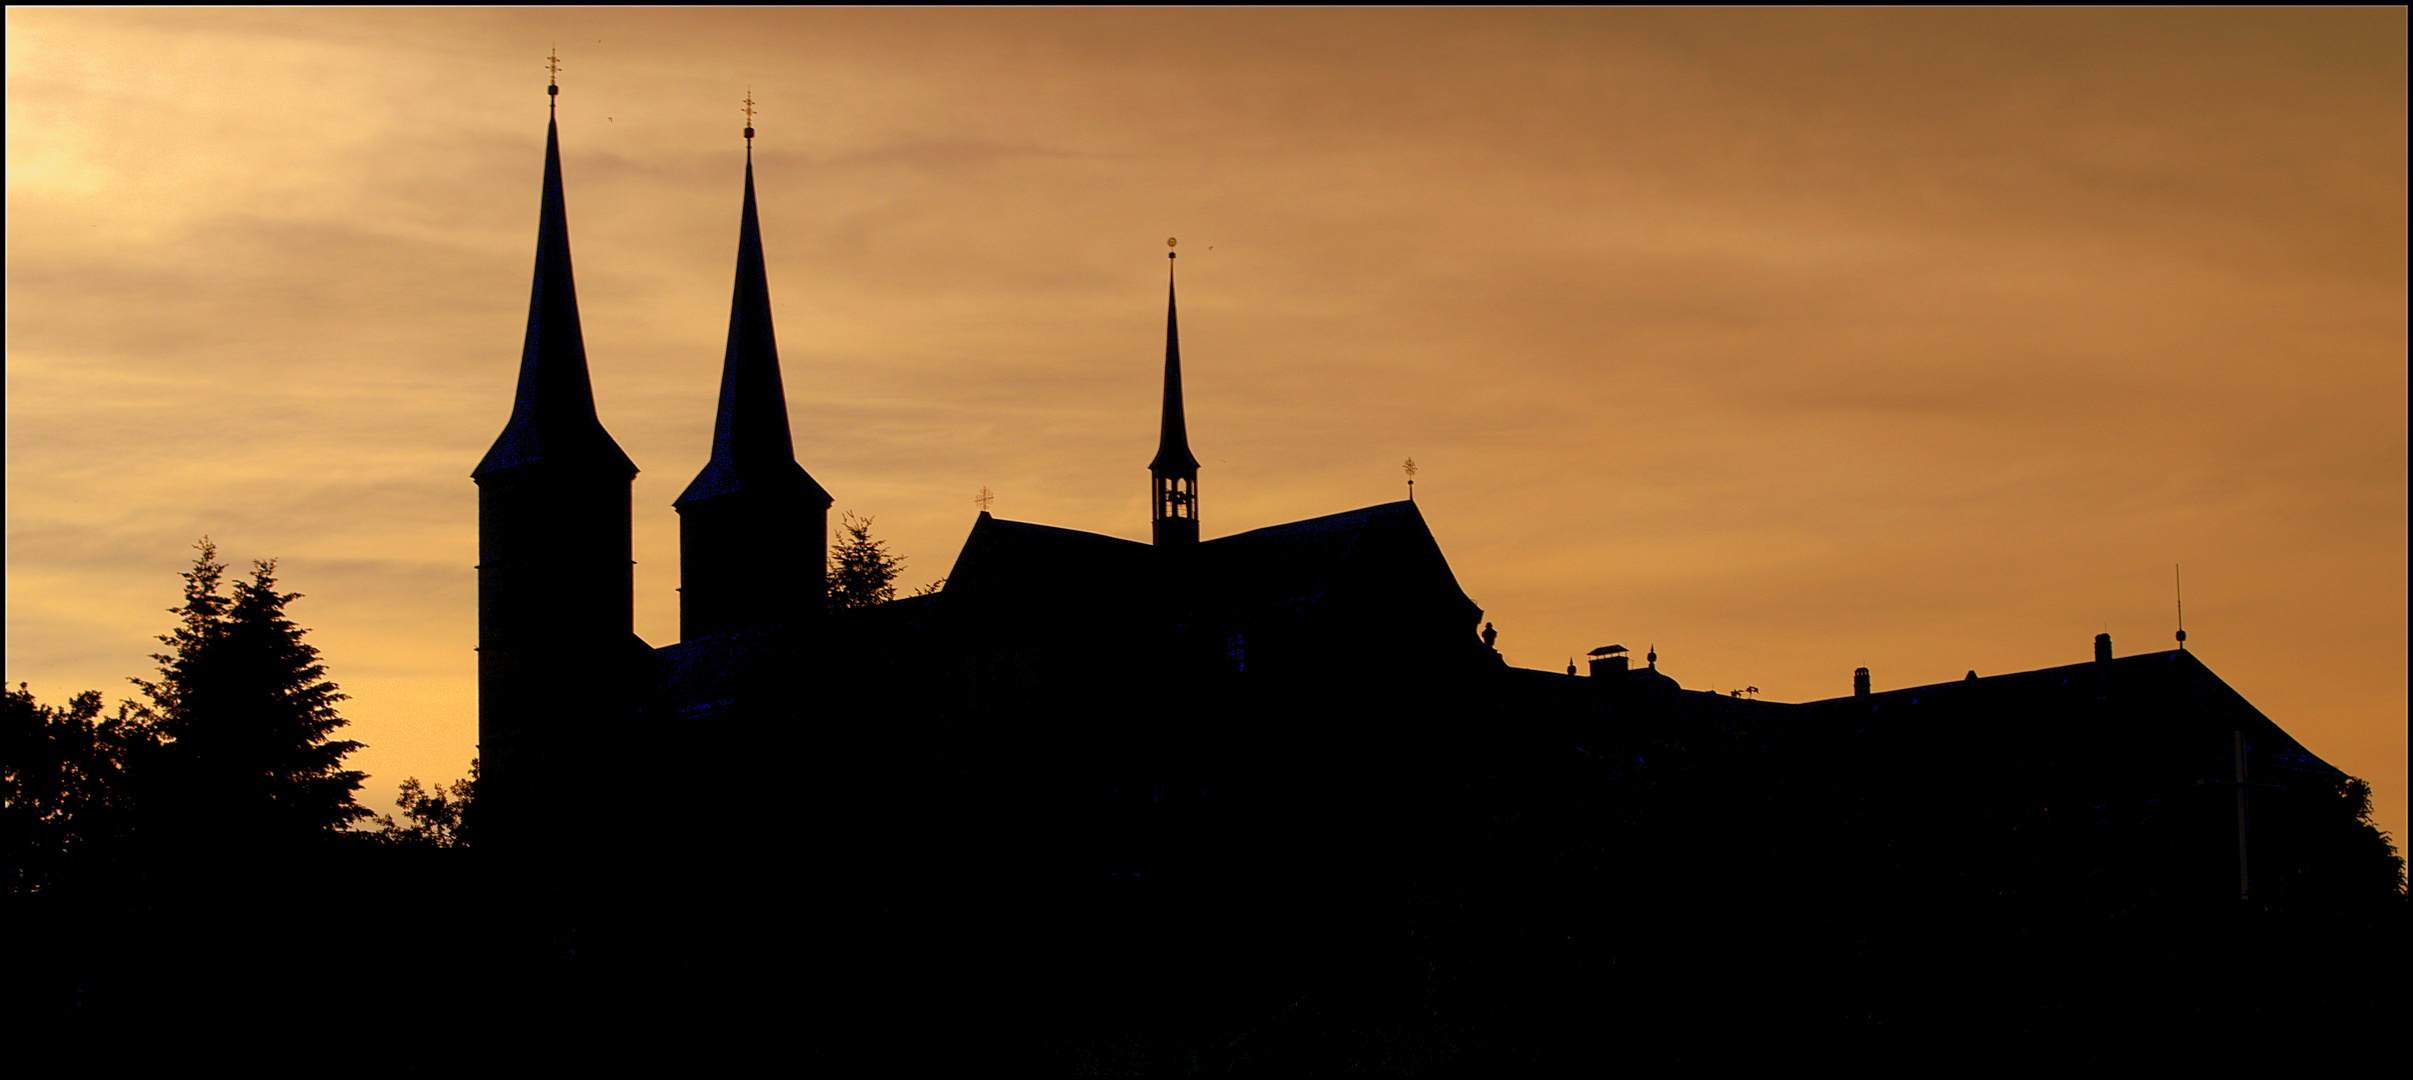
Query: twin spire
[753,525]
[553,414]
[751,443]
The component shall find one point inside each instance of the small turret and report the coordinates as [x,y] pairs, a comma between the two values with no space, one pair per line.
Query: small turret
[1174,469]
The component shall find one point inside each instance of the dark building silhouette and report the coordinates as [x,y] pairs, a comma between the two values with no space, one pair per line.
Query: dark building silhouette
[1283,751]
[560,668]
[753,525]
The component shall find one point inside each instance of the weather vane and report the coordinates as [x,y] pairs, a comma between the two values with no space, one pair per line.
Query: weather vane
[984,498]
[749,116]
[1410,469]
[553,73]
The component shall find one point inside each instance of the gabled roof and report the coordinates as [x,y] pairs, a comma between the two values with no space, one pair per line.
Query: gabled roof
[1367,556]
[1294,566]
[2169,700]
[1018,563]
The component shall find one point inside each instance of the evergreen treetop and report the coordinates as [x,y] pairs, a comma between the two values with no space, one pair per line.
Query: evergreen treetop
[862,572]
[247,711]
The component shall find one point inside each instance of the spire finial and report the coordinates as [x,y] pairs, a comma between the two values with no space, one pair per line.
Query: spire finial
[1410,468]
[749,118]
[1169,242]
[2179,589]
[553,77]
[984,498]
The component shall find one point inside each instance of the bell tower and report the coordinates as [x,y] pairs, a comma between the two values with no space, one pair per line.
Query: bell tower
[1174,469]
[558,659]
[753,525]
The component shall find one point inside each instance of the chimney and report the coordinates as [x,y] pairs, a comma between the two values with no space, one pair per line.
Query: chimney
[1859,682]
[2102,648]
[1608,660]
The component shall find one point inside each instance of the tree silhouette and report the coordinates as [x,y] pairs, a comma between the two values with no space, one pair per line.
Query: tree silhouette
[246,710]
[66,790]
[436,817]
[862,572]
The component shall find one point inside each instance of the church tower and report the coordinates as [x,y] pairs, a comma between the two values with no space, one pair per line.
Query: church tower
[753,526]
[1175,471]
[558,661]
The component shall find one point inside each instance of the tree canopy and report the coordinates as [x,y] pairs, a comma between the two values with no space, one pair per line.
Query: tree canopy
[435,817]
[66,791]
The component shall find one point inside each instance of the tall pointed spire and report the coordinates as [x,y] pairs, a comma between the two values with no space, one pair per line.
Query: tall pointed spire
[556,648]
[750,512]
[751,441]
[553,414]
[1174,469]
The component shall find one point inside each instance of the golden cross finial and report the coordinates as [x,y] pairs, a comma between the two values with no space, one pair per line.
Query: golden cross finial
[749,115]
[553,75]
[1410,469]
[984,498]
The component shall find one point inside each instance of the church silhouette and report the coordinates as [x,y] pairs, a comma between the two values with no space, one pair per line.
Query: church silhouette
[1031,617]
[1277,758]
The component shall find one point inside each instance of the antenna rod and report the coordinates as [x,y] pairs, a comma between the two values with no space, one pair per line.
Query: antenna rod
[2181,592]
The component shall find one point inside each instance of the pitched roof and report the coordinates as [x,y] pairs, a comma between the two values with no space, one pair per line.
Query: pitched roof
[1301,564]
[1019,564]
[1368,554]
[2167,704]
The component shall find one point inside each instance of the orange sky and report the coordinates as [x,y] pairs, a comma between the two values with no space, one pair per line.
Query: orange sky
[1788,341]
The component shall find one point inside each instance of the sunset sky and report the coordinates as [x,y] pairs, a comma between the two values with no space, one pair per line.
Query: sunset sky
[1786,341]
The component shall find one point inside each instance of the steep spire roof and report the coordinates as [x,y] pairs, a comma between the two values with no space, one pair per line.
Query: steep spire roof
[751,444]
[553,415]
[1173,444]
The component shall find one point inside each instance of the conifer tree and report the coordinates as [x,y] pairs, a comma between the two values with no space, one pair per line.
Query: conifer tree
[862,572]
[246,709]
